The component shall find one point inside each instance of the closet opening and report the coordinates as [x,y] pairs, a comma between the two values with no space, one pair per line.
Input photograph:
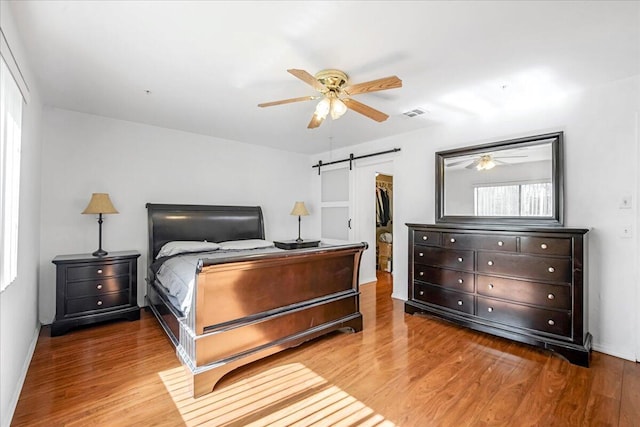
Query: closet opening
[384,223]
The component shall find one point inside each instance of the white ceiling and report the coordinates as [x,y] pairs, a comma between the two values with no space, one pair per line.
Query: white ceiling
[207,64]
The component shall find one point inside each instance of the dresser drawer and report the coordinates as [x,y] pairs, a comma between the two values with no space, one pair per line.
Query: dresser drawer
[462,260]
[97,287]
[457,280]
[546,245]
[99,302]
[543,294]
[96,271]
[522,316]
[444,298]
[525,266]
[429,238]
[480,241]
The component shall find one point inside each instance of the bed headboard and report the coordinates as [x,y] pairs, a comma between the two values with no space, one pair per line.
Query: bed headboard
[201,222]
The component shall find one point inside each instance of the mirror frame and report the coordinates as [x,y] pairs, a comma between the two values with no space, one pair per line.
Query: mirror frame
[557,181]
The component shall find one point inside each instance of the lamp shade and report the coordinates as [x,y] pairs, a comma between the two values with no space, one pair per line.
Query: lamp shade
[100,203]
[299,209]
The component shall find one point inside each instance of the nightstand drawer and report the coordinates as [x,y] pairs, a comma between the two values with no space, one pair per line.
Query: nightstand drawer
[95,271]
[97,287]
[100,302]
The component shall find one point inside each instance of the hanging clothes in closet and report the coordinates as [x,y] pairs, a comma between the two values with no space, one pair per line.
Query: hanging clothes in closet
[383,209]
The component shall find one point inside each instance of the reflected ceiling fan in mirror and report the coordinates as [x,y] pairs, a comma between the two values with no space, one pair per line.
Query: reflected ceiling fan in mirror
[484,162]
[335,95]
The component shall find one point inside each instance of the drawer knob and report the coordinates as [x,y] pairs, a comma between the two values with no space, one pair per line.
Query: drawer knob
[500,243]
[544,246]
[460,259]
[99,287]
[100,271]
[460,281]
[551,322]
[420,254]
[452,240]
[421,273]
[421,293]
[459,302]
[490,263]
[490,309]
[551,296]
[425,238]
[99,302]
[551,269]
[490,285]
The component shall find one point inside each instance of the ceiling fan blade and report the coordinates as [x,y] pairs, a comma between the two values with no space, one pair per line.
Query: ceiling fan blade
[456,163]
[315,121]
[365,110]
[472,164]
[385,83]
[287,101]
[309,79]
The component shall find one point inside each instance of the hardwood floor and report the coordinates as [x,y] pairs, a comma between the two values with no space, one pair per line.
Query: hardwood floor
[400,370]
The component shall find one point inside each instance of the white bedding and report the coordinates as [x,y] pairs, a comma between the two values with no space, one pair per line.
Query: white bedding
[178,274]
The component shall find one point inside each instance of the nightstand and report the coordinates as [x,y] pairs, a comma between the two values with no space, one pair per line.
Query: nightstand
[93,289]
[294,244]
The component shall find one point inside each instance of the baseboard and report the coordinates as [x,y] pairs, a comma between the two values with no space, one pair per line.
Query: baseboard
[368,280]
[606,350]
[6,421]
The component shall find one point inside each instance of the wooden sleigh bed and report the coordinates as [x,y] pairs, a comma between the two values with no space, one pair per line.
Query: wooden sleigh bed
[248,306]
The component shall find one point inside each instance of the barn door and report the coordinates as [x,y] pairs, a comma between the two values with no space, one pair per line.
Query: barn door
[335,203]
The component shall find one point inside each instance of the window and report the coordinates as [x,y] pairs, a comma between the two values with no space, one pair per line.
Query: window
[531,199]
[10,138]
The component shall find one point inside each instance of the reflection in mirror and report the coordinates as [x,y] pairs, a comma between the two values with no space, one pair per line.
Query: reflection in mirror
[517,181]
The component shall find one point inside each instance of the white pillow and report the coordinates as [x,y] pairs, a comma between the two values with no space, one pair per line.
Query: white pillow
[232,245]
[180,247]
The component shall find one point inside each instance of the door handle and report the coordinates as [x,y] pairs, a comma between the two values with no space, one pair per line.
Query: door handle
[349,224]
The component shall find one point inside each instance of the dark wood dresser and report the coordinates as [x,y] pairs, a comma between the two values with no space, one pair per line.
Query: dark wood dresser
[522,283]
[92,289]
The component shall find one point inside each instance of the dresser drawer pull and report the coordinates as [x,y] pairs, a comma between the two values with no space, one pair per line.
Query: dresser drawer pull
[100,271]
[460,259]
[551,269]
[421,273]
[452,240]
[461,281]
[99,302]
[490,263]
[421,293]
[490,285]
[425,238]
[500,243]
[551,322]
[459,302]
[99,287]
[490,309]
[551,296]
[544,246]
[420,254]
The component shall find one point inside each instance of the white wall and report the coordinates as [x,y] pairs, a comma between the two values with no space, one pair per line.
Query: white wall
[19,324]
[601,164]
[137,164]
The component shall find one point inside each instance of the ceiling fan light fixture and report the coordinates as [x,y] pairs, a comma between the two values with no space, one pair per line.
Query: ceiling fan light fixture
[338,108]
[486,163]
[323,108]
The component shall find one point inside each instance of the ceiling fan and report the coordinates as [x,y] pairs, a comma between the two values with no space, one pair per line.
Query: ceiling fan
[484,162]
[335,94]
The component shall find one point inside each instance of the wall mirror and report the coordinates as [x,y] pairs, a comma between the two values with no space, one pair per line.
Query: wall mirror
[519,181]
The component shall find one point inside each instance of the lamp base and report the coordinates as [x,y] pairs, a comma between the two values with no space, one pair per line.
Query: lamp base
[100,252]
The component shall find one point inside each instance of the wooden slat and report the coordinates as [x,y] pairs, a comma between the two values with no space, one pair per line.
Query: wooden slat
[308,78]
[400,370]
[365,110]
[287,101]
[391,82]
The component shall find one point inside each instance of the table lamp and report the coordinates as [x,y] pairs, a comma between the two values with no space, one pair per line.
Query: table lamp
[100,204]
[300,210]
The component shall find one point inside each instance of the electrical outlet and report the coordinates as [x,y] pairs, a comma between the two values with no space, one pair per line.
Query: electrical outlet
[625,202]
[626,232]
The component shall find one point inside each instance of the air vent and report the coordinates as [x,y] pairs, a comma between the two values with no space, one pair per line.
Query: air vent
[415,112]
